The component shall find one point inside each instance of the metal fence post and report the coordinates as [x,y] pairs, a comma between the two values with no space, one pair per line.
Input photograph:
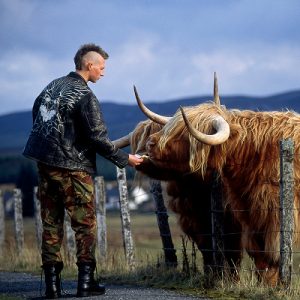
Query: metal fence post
[286,210]
[125,217]
[2,223]
[18,218]
[38,219]
[100,199]
[163,224]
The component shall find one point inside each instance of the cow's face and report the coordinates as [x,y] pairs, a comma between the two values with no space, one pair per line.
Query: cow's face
[139,138]
[174,156]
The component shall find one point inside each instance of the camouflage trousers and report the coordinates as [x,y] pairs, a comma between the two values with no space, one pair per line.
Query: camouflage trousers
[73,191]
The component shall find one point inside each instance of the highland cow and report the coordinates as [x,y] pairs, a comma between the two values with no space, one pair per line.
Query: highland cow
[243,146]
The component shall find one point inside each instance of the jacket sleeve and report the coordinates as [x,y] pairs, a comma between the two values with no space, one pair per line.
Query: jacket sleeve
[96,132]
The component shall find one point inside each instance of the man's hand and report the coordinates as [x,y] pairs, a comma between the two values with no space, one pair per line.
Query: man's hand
[134,160]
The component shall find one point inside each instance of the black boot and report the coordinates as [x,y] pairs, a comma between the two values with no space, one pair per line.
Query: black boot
[87,285]
[52,280]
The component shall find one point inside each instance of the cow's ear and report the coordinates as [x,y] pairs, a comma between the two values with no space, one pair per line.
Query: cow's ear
[235,129]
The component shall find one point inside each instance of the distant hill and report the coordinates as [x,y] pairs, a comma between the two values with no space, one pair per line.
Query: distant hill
[121,118]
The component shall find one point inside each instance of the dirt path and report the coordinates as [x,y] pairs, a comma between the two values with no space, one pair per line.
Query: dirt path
[27,286]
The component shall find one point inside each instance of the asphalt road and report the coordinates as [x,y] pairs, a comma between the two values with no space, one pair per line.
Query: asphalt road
[28,286]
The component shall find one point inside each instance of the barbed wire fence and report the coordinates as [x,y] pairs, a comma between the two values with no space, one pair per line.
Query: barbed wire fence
[285,207]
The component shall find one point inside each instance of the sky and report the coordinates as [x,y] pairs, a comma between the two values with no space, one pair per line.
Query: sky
[168,49]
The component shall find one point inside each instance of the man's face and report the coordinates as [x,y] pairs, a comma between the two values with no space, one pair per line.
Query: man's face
[96,68]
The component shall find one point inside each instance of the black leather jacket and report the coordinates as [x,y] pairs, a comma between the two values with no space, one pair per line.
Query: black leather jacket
[68,129]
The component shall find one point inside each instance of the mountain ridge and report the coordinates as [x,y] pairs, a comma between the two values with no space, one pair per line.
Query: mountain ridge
[122,118]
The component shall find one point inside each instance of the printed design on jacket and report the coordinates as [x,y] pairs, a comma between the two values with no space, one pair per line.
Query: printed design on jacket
[57,102]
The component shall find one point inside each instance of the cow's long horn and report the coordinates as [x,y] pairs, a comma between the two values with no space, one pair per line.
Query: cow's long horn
[151,115]
[216,90]
[218,138]
[122,142]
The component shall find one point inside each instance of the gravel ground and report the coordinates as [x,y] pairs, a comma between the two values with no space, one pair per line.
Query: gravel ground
[26,286]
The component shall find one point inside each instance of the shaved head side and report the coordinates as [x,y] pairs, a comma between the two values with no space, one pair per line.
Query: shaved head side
[91,57]
[88,52]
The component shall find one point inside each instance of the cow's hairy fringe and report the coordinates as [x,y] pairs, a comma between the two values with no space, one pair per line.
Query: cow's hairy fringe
[200,117]
[266,128]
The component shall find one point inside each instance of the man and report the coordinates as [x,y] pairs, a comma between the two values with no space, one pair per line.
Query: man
[68,131]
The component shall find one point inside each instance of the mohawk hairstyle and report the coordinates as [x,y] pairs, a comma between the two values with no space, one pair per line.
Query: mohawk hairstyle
[83,50]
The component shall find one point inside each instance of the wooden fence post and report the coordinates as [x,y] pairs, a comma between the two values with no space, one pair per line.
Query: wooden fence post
[125,217]
[163,224]
[18,218]
[286,210]
[2,223]
[38,218]
[100,199]
[217,221]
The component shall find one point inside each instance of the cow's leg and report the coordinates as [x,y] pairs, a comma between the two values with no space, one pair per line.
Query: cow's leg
[233,248]
[211,271]
[233,260]
[267,273]
[267,270]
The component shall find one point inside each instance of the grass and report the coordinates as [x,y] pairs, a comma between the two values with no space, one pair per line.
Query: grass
[150,268]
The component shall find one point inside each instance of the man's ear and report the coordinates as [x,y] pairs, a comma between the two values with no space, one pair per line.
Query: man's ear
[86,65]
[89,66]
